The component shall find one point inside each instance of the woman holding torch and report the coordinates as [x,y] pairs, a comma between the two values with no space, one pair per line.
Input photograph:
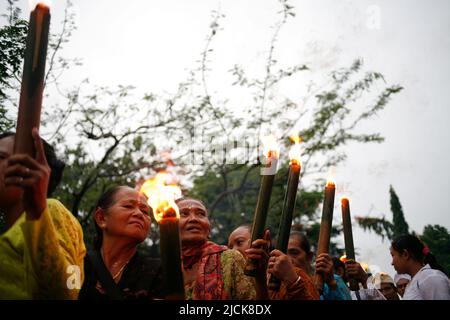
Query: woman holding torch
[115,270]
[210,271]
[42,248]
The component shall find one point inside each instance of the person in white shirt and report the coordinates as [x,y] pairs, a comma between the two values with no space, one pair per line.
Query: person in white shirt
[428,281]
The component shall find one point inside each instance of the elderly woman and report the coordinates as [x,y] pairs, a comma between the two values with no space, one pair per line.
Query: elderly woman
[41,247]
[210,271]
[115,270]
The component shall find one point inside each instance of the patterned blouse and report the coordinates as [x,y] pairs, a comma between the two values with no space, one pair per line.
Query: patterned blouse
[221,276]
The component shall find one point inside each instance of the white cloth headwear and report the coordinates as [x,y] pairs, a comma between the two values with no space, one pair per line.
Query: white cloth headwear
[380,278]
[402,276]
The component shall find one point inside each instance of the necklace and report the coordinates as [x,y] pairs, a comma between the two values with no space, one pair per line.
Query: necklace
[120,271]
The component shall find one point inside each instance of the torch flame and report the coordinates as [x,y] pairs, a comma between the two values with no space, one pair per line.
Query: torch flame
[271,148]
[330,178]
[161,192]
[343,258]
[295,152]
[365,266]
[295,139]
[343,198]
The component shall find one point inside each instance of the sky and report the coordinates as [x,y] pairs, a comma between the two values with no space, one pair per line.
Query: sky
[152,44]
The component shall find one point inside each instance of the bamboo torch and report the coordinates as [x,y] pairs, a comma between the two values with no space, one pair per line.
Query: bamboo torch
[348,237]
[325,228]
[161,198]
[290,197]
[271,151]
[32,88]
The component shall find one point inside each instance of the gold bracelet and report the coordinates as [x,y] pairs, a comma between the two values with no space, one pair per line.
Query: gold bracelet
[296,281]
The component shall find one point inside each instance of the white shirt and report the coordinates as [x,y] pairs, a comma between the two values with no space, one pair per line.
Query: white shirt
[428,284]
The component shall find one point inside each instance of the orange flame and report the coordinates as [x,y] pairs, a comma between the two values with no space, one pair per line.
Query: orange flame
[365,266]
[343,198]
[330,178]
[271,149]
[161,192]
[295,152]
[343,258]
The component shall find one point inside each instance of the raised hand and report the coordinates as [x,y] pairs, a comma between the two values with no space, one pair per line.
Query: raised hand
[280,266]
[356,271]
[324,266]
[32,176]
[259,251]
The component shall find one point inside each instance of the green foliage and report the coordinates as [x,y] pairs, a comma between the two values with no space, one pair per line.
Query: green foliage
[230,191]
[380,226]
[400,226]
[383,227]
[435,236]
[12,48]
[235,206]
[109,136]
[438,240]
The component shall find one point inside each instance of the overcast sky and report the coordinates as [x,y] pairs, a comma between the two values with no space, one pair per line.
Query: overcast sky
[151,44]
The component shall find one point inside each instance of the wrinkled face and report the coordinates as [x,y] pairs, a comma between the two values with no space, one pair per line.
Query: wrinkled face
[401,286]
[240,239]
[8,196]
[298,256]
[388,290]
[128,217]
[194,223]
[399,261]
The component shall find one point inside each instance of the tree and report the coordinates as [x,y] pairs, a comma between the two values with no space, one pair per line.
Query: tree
[109,136]
[12,49]
[399,224]
[230,190]
[437,238]
[386,228]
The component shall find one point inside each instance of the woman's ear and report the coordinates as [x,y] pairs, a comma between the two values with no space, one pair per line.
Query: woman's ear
[99,217]
[405,254]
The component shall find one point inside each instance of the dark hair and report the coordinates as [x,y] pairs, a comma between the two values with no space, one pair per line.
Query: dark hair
[304,242]
[56,165]
[247,226]
[337,264]
[415,248]
[105,201]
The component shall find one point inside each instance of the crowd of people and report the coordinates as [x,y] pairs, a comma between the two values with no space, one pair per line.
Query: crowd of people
[43,240]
